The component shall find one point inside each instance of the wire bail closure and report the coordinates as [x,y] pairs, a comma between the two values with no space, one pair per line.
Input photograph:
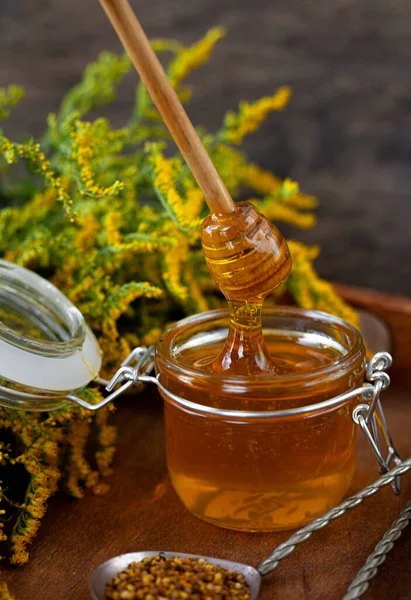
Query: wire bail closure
[369,415]
[127,375]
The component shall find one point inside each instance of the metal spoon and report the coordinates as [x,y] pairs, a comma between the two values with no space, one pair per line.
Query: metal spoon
[252,575]
[110,568]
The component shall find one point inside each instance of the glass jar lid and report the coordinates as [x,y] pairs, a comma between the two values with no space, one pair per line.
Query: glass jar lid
[45,344]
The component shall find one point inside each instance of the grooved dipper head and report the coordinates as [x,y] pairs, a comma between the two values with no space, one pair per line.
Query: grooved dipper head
[247,256]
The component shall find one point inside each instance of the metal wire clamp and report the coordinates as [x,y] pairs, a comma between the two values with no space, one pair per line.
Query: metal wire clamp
[127,375]
[369,415]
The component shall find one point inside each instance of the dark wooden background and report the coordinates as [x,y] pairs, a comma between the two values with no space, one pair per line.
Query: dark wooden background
[346,136]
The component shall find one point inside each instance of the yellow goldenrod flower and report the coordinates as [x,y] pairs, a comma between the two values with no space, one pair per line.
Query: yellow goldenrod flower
[112,223]
[250,116]
[37,160]
[164,181]
[188,59]
[5,593]
[88,229]
[152,336]
[276,211]
[289,188]
[9,98]
[84,152]
[309,290]
[121,298]
[172,271]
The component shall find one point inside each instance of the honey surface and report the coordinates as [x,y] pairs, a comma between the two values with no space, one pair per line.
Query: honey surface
[293,355]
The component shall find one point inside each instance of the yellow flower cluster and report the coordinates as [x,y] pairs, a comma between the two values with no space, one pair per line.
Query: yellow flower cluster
[285,214]
[165,171]
[250,116]
[112,223]
[81,471]
[5,593]
[43,441]
[83,153]
[194,56]
[9,98]
[173,262]
[281,200]
[309,290]
[126,294]
[37,162]
[285,203]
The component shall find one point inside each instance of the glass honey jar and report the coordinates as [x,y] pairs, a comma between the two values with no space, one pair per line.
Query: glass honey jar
[268,452]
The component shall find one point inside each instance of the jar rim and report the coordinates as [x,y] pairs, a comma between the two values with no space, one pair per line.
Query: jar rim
[337,368]
[18,279]
[67,358]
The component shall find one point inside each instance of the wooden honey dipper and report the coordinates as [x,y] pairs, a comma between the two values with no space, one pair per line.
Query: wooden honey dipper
[247,256]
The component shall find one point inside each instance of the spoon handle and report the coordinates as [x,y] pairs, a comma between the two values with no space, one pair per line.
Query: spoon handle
[287,547]
[143,57]
[361,583]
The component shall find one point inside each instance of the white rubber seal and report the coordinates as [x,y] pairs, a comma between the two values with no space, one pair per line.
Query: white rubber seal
[67,373]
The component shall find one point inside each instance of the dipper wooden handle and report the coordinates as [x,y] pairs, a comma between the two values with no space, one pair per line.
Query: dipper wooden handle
[164,97]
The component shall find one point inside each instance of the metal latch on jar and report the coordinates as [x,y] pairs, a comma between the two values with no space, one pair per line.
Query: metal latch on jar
[369,415]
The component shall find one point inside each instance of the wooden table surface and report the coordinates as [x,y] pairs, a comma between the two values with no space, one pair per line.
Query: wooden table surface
[142,512]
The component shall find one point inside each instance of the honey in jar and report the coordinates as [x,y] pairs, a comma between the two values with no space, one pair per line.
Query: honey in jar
[236,456]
